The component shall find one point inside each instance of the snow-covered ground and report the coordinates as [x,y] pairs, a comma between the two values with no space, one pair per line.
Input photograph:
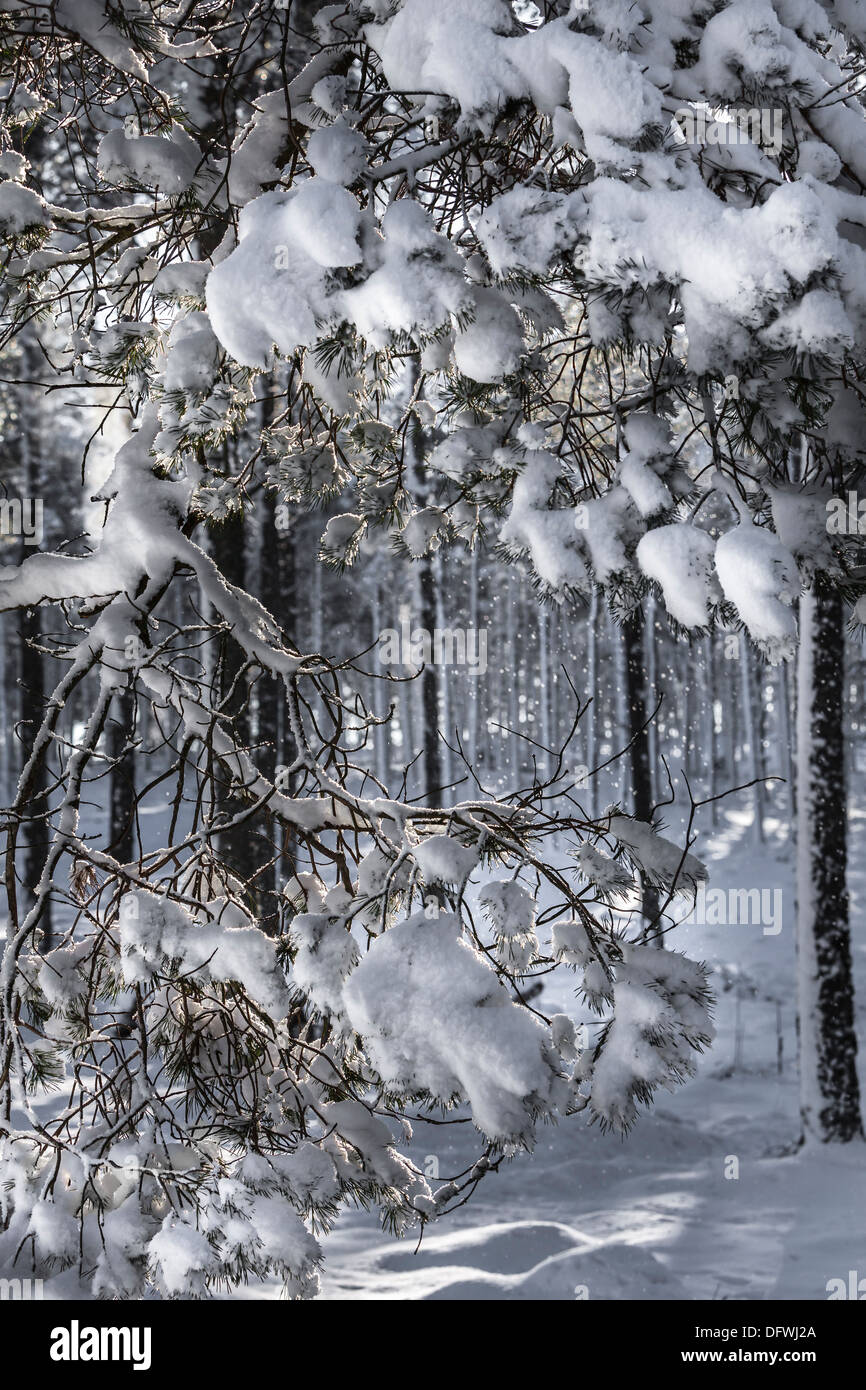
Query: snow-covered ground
[655,1216]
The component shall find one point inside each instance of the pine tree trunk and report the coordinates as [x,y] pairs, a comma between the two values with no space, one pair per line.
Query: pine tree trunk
[554,643]
[711,743]
[512,718]
[619,716]
[32,683]
[31,707]
[239,845]
[751,732]
[428,606]
[430,701]
[473,693]
[829,1090]
[786,742]
[652,685]
[544,758]
[591,715]
[383,733]
[639,756]
[121,806]
[6,744]
[277,592]
[447,687]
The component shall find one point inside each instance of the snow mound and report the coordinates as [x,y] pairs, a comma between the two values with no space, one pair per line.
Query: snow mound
[548,1260]
[513,1247]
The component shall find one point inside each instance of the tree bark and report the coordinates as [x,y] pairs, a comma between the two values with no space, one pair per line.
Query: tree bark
[240,846]
[277,591]
[432,760]
[829,1089]
[591,715]
[637,713]
[31,669]
[121,806]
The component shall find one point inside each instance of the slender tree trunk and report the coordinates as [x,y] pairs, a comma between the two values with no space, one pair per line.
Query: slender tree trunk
[543,690]
[32,683]
[592,694]
[712,734]
[121,809]
[428,611]
[31,707]
[6,744]
[512,720]
[619,716]
[554,641]
[277,591]
[430,701]
[751,725]
[690,707]
[652,685]
[637,714]
[829,1089]
[383,732]
[733,715]
[786,742]
[446,685]
[473,693]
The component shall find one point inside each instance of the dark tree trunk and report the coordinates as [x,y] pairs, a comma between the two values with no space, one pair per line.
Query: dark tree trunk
[32,683]
[277,591]
[430,683]
[830,1093]
[31,708]
[429,610]
[240,846]
[121,813]
[638,711]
